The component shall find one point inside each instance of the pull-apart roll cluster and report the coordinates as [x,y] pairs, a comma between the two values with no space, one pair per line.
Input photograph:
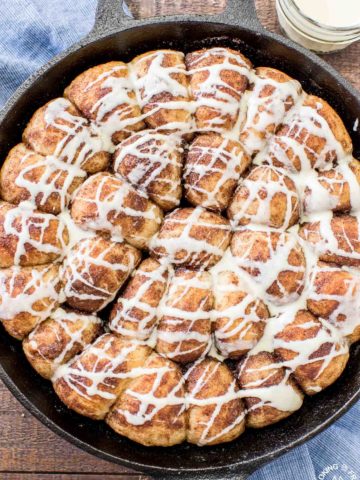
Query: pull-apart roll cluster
[180,245]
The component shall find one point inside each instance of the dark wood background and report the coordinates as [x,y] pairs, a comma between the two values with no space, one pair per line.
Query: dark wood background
[30,451]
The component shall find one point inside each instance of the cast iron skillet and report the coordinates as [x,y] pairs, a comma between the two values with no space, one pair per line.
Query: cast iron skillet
[118,37]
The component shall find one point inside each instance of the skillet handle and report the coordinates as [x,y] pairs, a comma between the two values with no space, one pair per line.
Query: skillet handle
[115,15]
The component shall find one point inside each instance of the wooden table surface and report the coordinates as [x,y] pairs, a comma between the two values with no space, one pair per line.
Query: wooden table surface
[30,451]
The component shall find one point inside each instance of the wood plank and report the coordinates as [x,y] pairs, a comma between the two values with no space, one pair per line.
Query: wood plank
[66,476]
[27,445]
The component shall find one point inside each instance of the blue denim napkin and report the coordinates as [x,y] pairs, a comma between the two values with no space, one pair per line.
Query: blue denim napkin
[33,31]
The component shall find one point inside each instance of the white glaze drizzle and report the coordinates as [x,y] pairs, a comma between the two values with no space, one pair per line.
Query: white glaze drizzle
[76,271]
[196,249]
[41,288]
[64,320]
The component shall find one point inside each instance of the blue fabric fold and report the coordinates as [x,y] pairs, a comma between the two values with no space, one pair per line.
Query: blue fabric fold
[31,33]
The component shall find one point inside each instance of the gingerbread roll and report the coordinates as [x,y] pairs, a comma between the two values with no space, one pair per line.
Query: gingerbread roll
[271,96]
[46,182]
[105,203]
[104,94]
[184,330]
[218,79]
[239,318]
[334,239]
[94,270]
[58,339]
[135,314]
[274,260]
[151,411]
[91,382]
[269,392]
[58,129]
[192,237]
[27,296]
[311,136]
[216,412]
[29,237]
[212,169]
[161,84]
[337,189]
[311,348]
[334,294]
[266,197]
[152,161]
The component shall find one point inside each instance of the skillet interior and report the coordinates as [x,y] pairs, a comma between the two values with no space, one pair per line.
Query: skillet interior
[254,447]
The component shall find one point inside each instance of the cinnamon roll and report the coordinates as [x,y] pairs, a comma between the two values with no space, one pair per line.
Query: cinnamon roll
[58,339]
[311,348]
[105,95]
[58,129]
[218,78]
[161,84]
[135,313]
[29,237]
[92,381]
[184,330]
[337,189]
[275,261]
[28,295]
[271,96]
[46,182]
[216,413]
[192,237]
[94,270]
[269,392]
[334,294]
[312,135]
[212,169]
[266,197]
[334,239]
[151,411]
[152,161]
[105,203]
[239,318]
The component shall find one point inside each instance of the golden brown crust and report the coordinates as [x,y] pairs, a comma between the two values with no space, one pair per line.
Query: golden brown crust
[105,203]
[152,161]
[184,327]
[134,315]
[261,376]
[223,87]
[26,175]
[94,270]
[215,414]
[334,239]
[258,252]
[212,169]
[58,129]
[316,355]
[267,197]
[192,237]
[93,93]
[316,131]
[29,237]
[239,317]
[168,85]
[334,294]
[27,296]
[151,411]
[58,339]
[91,383]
